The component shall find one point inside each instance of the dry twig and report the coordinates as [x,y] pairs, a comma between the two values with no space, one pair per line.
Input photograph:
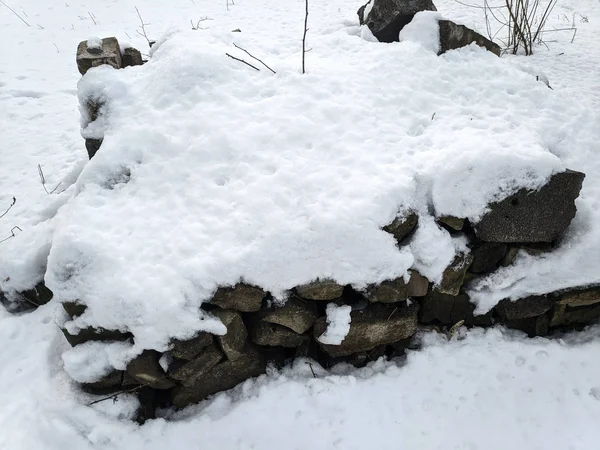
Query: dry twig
[15,13]
[245,62]
[252,56]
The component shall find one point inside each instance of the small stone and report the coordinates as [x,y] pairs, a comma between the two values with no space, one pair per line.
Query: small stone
[418,285]
[454,275]
[106,385]
[401,227]
[452,222]
[242,297]
[110,54]
[74,309]
[564,315]
[131,57]
[389,291]
[39,295]
[297,315]
[487,256]
[450,309]
[273,335]
[234,342]
[146,369]
[533,326]
[190,371]
[191,348]
[524,308]
[95,334]
[376,325]
[580,297]
[453,36]
[320,290]
[533,216]
[92,146]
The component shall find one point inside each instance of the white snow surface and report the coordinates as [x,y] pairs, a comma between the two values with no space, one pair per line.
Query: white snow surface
[94,42]
[423,29]
[338,324]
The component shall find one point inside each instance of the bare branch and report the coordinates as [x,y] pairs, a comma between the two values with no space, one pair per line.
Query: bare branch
[12,235]
[142,27]
[245,62]
[304,38]
[114,396]
[15,13]
[14,200]
[252,56]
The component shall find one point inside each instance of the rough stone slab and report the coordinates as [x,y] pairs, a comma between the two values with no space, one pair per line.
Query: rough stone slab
[524,308]
[450,309]
[109,54]
[567,316]
[455,223]
[296,314]
[376,325]
[320,290]
[453,36]
[401,227]
[74,309]
[273,335]
[538,216]
[146,369]
[487,256]
[107,385]
[454,275]
[388,17]
[242,297]
[388,291]
[533,326]
[234,342]
[418,285]
[131,57]
[581,297]
[189,372]
[95,334]
[223,376]
[191,348]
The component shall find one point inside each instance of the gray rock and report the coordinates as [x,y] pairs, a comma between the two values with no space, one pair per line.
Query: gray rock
[106,385]
[533,326]
[453,36]
[92,146]
[223,376]
[110,54]
[131,57]
[189,372]
[397,290]
[452,222]
[578,298]
[538,216]
[450,309]
[242,297]
[568,316]
[376,325]
[234,342]
[388,17]
[39,295]
[297,315]
[487,256]
[320,290]
[95,334]
[401,227]
[531,249]
[524,308]
[454,275]
[191,348]
[418,285]
[273,335]
[146,369]
[74,309]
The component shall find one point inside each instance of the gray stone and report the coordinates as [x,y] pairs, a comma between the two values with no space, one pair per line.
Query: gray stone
[453,36]
[273,335]
[234,342]
[223,376]
[533,326]
[454,275]
[131,57]
[376,325]
[297,315]
[418,285]
[92,146]
[242,297]
[146,369]
[452,222]
[397,290]
[74,309]
[95,334]
[320,290]
[191,348]
[401,227]
[487,256]
[450,309]
[39,295]
[189,372]
[538,216]
[106,385]
[531,249]
[578,298]
[567,316]
[388,17]
[524,308]
[110,54]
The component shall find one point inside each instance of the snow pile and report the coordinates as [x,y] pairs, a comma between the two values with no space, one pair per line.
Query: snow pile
[338,324]
[424,30]
[94,43]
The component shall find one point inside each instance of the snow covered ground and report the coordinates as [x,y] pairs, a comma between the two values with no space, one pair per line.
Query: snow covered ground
[490,390]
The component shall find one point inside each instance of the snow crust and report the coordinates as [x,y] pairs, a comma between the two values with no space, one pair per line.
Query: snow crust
[338,324]
[424,30]
[94,43]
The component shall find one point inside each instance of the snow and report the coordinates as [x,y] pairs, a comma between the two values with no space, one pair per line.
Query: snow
[94,43]
[338,324]
[199,213]
[424,30]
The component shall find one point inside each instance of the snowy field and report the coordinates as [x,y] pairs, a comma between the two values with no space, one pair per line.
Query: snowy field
[491,390]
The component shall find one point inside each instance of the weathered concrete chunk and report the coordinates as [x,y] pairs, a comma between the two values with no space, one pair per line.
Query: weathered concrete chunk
[524,308]
[95,334]
[455,223]
[273,335]
[450,309]
[242,297]
[223,376]
[106,385]
[376,325]
[577,298]
[109,53]
[454,275]
[192,347]
[401,227]
[190,371]
[487,256]
[234,342]
[297,315]
[386,18]
[538,216]
[74,309]
[146,369]
[453,36]
[320,290]
[131,57]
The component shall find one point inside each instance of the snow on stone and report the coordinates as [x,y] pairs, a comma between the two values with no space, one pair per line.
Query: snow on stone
[424,30]
[94,43]
[338,324]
